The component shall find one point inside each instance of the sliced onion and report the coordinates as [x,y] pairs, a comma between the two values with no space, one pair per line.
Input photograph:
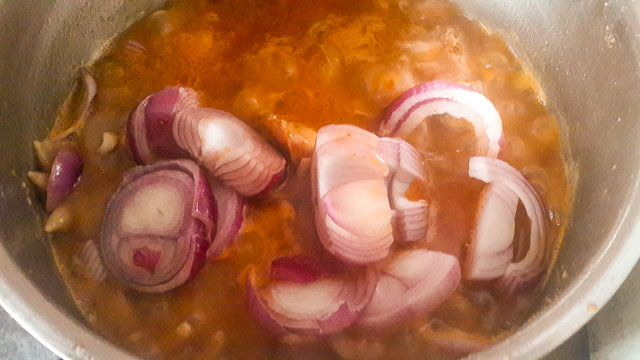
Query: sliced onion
[89,262]
[442,97]
[149,132]
[321,307]
[230,214]
[158,226]
[403,159]
[233,152]
[352,211]
[526,272]
[406,166]
[491,246]
[65,172]
[348,160]
[301,269]
[414,283]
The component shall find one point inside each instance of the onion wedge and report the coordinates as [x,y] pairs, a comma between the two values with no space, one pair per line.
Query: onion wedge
[528,271]
[415,282]
[158,226]
[149,133]
[405,165]
[353,215]
[232,152]
[230,214]
[491,246]
[320,307]
[442,97]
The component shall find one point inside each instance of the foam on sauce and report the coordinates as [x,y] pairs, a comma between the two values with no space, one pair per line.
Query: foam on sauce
[309,63]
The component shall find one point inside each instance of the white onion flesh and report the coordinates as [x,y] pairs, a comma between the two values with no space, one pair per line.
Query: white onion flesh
[491,246]
[415,282]
[526,272]
[406,166]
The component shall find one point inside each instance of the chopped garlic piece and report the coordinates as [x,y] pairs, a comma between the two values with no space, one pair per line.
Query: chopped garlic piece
[39,179]
[59,220]
[184,329]
[109,143]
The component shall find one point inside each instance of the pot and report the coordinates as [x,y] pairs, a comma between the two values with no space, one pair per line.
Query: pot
[585,54]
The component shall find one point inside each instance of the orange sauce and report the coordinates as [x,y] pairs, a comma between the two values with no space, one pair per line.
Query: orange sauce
[305,64]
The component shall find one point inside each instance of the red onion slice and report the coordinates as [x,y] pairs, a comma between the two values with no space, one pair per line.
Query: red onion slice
[414,283]
[352,211]
[230,207]
[321,307]
[442,97]
[490,249]
[527,271]
[406,166]
[233,152]
[65,172]
[158,226]
[348,160]
[149,132]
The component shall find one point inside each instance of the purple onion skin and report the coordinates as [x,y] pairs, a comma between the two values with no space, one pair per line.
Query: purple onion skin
[202,243]
[220,242]
[300,269]
[276,181]
[203,226]
[259,310]
[159,113]
[132,146]
[205,208]
[65,172]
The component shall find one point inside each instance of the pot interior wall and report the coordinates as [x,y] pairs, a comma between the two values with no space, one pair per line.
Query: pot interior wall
[42,46]
[584,54]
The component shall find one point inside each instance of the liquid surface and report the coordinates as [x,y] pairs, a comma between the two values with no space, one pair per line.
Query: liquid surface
[307,64]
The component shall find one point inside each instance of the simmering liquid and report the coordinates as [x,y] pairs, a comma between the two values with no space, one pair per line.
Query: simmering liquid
[309,63]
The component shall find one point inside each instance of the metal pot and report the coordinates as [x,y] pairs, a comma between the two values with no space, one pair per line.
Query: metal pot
[585,54]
